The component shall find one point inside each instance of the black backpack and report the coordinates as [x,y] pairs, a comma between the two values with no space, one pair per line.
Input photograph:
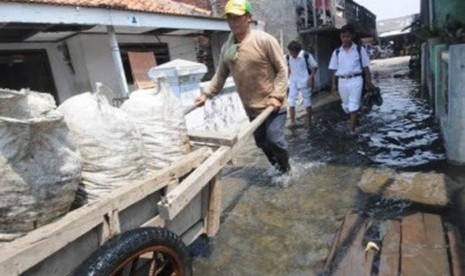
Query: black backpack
[306,56]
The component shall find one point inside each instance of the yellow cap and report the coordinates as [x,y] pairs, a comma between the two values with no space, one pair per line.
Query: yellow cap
[238,7]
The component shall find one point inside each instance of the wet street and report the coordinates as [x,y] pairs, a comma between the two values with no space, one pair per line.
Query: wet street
[280,225]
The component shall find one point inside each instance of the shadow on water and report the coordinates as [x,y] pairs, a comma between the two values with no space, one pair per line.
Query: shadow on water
[284,225]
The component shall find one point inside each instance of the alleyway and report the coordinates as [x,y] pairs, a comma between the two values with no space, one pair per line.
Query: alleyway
[284,226]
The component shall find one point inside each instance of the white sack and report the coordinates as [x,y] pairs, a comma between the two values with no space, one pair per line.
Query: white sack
[160,118]
[39,166]
[108,142]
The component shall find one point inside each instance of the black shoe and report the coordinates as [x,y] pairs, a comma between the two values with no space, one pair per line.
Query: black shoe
[284,167]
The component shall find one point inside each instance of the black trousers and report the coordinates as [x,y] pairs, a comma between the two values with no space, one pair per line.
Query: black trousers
[270,137]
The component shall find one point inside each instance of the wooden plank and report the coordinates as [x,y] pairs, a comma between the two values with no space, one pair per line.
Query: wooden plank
[334,244]
[214,206]
[193,233]
[423,246]
[210,137]
[367,265]
[21,254]
[349,230]
[177,199]
[6,237]
[172,184]
[352,261]
[111,226]
[141,63]
[156,221]
[457,251]
[390,254]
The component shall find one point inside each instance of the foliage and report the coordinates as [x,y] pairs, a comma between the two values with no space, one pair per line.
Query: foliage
[424,32]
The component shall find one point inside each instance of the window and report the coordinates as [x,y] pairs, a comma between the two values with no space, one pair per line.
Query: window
[160,50]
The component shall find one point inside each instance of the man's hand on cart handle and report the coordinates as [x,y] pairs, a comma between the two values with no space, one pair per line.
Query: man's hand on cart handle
[272,101]
[200,100]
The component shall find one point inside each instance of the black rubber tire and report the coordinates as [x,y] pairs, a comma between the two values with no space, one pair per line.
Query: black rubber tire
[114,254]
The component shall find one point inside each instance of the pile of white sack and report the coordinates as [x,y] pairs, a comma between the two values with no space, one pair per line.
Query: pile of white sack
[39,167]
[109,144]
[160,118]
[84,145]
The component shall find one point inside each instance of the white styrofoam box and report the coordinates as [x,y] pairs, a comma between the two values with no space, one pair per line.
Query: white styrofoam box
[182,76]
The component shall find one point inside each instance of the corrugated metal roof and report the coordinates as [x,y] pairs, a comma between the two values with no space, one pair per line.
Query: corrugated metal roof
[395,24]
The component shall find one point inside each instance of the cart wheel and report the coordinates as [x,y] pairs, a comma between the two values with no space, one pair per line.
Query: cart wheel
[142,251]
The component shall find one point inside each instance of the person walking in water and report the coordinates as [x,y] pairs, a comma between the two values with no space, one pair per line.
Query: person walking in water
[350,70]
[302,69]
[255,61]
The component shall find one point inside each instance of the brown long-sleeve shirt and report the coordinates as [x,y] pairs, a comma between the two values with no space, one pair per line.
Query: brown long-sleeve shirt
[259,72]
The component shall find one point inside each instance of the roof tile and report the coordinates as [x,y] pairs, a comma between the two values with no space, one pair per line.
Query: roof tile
[151,6]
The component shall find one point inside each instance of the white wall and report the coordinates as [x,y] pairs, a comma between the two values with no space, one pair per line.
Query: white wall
[92,59]
[279,17]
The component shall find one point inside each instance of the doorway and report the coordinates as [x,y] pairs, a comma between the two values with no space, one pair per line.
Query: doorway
[27,69]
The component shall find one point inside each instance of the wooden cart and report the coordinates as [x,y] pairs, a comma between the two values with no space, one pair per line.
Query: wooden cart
[184,198]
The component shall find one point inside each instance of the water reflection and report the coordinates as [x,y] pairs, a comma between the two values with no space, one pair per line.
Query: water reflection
[402,132]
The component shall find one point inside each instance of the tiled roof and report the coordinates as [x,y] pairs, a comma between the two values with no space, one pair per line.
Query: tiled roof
[205,4]
[151,6]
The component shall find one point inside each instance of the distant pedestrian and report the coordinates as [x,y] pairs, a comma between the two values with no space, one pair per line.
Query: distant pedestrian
[302,69]
[350,68]
[255,61]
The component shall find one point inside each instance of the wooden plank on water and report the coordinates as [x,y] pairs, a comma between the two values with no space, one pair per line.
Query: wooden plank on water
[368,264]
[334,245]
[423,249]
[339,248]
[347,255]
[390,252]
[457,251]
[22,254]
[355,260]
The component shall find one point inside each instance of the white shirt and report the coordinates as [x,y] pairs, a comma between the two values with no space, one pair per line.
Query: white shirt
[298,67]
[348,63]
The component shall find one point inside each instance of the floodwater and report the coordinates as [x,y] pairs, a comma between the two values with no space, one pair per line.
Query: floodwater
[284,225]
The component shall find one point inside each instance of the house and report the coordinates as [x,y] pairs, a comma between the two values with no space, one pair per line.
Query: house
[64,47]
[443,69]
[319,22]
[398,33]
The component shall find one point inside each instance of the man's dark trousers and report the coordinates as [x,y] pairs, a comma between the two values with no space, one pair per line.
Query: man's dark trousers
[270,137]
